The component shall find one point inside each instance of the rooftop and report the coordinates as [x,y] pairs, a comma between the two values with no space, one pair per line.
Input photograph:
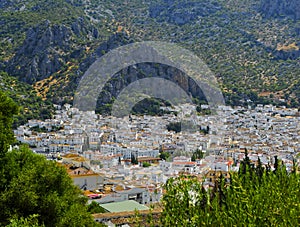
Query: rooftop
[128,205]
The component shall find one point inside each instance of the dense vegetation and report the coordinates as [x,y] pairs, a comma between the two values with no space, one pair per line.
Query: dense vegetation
[174,126]
[198,154]
[7,110]
[256,196]
[95,208]
[30,105]
[150,106]
[252,48]
[33,190]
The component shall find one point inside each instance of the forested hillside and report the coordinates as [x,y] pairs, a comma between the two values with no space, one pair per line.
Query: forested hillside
[30,105]
[251,46]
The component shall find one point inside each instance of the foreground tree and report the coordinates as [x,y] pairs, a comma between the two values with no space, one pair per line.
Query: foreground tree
[33,190]
[7,109]
[32,185]
[95,208]
[184,200]
[255,197]
[31,221]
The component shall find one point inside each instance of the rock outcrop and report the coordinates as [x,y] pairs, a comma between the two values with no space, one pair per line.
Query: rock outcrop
[285,55]
[46,48]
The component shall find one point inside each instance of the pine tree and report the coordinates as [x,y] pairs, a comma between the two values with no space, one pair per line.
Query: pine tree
[275,164]
[193,157]
[7,110]
[259,168]
[134,161]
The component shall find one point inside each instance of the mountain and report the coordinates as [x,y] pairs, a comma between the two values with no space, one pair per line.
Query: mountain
[281,9]
[253,47]
[30,105]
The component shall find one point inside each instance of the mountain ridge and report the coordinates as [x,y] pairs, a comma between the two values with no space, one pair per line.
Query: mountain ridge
[238,40]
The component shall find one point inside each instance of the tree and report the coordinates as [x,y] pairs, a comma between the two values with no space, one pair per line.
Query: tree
[134,161]
[259,168]
[7,110]
[198,154]
[245,164]
[146,164]
[45,113]
[174,126]
[164,155]
[275,164]
[31,185]
[33,190]
[95,208]
[264,199]
[193,157]
[182,201]
[31,221]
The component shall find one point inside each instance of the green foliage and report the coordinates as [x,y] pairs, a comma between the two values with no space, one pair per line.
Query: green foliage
[193,158]
[198,154]
[31,185]
[30,105]
[134,160]
[38,129]
[238,45]
[183,202]
[256,197]
[174,126]
[95,208]
[95,162]
[164,155]
[146,164]
[177,126]
[31,221]
[7,110]
[202,111]
[17,21]
[150,106]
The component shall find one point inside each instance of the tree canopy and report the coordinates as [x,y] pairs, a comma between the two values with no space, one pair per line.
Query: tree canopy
[32,185]
[33,190]
[256,196]
[7,109]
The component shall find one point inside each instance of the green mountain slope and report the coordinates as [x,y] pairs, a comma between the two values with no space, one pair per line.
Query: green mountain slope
[251,46]
[31,106]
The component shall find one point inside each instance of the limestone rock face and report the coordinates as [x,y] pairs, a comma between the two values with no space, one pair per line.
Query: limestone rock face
[46,48]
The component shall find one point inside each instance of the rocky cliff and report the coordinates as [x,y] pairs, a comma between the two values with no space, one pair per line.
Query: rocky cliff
[47,48]
[51,43]
[133,73]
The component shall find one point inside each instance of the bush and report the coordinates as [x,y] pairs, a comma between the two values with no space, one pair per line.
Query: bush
[256,196]
[146,164]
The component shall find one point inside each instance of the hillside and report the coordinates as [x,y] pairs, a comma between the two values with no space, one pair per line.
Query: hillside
[30,105]
[281,9]
[252,47]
